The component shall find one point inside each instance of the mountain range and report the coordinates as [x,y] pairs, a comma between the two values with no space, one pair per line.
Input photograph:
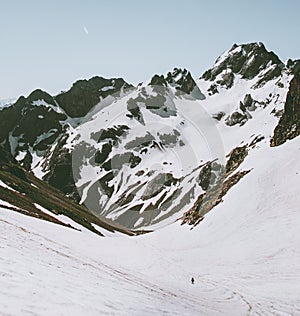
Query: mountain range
[167,149]
[198,178]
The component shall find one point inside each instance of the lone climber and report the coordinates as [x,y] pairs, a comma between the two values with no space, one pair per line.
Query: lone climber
[192,280]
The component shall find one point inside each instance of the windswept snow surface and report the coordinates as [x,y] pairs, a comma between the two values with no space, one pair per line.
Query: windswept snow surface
[244,256]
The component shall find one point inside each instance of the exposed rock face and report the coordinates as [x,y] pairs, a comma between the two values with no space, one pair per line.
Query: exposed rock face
[236,118]
[218,116]
[59,170]
[158,80]
[31,123]
[236,157]
[216,181]
[209,175]
[85,94]
[207,201]
[246,60]
[9,118]
[293,65]
[181,80]
[227,80]
[289,123]
[242,115]
[24,109]
[248,103]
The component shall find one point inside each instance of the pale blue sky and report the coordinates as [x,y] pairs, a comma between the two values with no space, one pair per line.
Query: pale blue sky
[44,43]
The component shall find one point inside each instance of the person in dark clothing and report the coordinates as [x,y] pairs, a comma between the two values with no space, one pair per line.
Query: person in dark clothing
[192,280]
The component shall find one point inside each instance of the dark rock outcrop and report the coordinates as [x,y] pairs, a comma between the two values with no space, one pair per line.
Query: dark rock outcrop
[242,115]
[182,80]
[32,121]
[60,174]
[247,60]
[236,118]
[216,185]
[293,65]
[85,94]
[248,103]
[289,123]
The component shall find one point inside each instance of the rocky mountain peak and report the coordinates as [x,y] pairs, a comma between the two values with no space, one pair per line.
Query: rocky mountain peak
[39,94]
[247,60]
[26,112]
[85,94]
[158,96]
[31,124]
[181,80]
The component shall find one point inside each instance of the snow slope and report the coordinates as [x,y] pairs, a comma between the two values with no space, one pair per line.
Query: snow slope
[150,163]
[244,256]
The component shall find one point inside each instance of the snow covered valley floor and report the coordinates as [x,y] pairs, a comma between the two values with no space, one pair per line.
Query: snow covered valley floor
[244,256]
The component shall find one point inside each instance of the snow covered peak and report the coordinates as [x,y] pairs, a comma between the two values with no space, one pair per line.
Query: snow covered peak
[248,60]
[143,155]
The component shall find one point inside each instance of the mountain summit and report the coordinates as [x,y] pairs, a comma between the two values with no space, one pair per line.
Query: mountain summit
[182,80]
[248,61]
